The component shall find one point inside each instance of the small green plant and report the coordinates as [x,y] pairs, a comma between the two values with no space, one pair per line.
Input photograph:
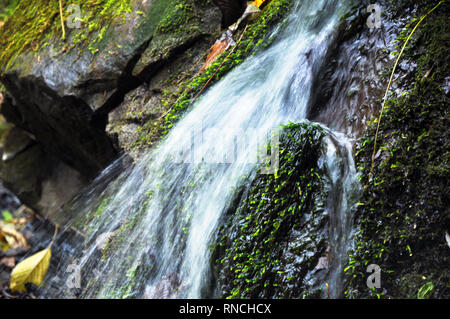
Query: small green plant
[6,12]
[425,291]
[7,216]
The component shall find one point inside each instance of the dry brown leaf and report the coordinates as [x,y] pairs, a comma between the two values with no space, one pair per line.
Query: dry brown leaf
[217,49]
[20,240]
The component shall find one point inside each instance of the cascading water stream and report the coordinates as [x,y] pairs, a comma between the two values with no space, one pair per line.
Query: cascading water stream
[343,185]
[165,211]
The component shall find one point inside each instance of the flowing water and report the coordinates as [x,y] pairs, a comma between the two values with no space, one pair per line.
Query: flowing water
[343,188]
[151,229]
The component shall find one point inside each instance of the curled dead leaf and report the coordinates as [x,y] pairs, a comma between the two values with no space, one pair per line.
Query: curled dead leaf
[19,239]
[217,49]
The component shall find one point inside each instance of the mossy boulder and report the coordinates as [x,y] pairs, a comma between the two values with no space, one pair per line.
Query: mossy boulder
[63,90]
[273,237]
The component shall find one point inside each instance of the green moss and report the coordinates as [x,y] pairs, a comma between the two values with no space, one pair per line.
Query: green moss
[250,258]
[36,22]
[177,16]
[404,211]
[7,7]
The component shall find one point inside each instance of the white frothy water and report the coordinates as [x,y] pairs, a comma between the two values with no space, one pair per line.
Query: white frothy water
[166,210]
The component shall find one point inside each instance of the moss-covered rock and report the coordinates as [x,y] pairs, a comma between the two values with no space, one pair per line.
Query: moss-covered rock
[404,211]
[272,239]
[61,91]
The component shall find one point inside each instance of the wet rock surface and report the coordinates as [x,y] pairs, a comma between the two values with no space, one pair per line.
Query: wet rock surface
[403,215]
[8,201]
[355,65]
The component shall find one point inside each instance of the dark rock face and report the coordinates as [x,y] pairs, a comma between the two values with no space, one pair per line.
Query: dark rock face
[404,215]
[8,201]
[231,10]
[40,180]
[63,98]
[62,124]
[274,243]
[348,84]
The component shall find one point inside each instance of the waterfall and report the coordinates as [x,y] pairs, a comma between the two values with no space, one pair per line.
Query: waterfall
[164,211]
[343,185]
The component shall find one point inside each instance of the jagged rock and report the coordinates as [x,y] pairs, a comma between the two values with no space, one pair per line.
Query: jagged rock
[231,10]
[39,180]
[183,27]
[14,141]
[63,96]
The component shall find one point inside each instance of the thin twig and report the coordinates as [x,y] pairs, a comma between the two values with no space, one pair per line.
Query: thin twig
[54,236]
[191,69]
[62,20]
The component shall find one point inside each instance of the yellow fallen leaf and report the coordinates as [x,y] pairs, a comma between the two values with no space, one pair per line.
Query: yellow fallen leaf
[31,270]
